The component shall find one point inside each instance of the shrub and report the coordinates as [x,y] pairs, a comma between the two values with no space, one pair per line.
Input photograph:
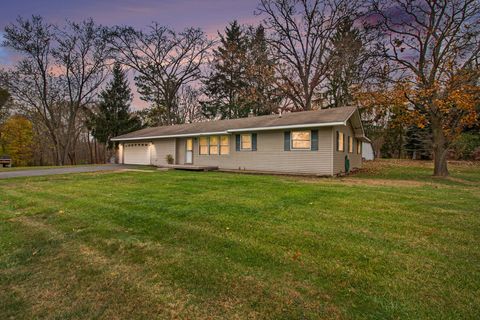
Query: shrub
[467,146]
[169,158]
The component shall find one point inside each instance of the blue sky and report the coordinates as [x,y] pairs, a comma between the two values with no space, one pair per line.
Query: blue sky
[3,53]
[178,14]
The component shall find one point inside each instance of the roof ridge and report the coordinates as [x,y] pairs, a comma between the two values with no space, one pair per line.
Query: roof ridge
[255,117]
[320,117]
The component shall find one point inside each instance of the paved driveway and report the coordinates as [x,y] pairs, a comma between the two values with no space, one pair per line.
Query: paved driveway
[46,172]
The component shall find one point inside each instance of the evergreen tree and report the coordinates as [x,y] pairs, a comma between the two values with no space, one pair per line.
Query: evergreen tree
[418,142]
[243,76]
[113,116]
[227,80]
[262,95]
[346,64]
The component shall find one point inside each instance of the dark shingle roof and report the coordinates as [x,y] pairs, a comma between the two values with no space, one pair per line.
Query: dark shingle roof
[317,117]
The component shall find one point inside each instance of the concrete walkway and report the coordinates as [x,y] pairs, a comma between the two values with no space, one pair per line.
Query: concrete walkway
[47,172]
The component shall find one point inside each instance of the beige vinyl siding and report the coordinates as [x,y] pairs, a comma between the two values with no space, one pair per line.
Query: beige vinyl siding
[339,156]
[181,148]
[270,155]
[120,153]
[161,148]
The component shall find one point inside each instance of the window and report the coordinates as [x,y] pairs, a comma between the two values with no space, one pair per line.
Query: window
[203,145]
[214,145]
[359,147]
[350,144]
[340,142]
[224,145]
[246,141]
[301,140]
[189,144]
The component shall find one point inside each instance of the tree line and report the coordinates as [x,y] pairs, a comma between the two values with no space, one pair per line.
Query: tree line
[412,67]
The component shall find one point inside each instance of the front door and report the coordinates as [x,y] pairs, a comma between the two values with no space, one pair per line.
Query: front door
[189,151]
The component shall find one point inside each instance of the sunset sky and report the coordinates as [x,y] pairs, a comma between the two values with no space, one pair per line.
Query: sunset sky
[210,15]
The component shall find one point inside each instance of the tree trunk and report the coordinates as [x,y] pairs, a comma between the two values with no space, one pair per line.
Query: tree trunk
[440,150]
[440,168]
[89,144]
[58,156]
[96,150]
[105,159]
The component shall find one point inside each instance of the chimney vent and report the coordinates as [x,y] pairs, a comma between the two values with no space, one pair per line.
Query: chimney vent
[251,114]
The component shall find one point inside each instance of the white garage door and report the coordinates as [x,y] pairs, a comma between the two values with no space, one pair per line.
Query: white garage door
[136,153]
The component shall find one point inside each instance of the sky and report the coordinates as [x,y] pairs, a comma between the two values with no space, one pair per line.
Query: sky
[210,15]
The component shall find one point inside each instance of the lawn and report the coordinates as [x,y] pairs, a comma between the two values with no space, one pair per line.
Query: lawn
[390,242]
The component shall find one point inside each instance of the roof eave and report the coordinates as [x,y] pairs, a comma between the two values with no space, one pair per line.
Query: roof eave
[293,126]
[184,135]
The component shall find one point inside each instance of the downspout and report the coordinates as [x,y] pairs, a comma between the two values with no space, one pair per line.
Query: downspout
[333,151]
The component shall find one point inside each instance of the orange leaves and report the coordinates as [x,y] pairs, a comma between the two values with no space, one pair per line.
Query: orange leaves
[456,102]
[389,105]
[451,103]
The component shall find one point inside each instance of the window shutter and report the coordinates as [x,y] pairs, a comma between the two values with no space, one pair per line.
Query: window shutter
[237,142]
[254,142]
[338,141]
[286,141]
[314,141]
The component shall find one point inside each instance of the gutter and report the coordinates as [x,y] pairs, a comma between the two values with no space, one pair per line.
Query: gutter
[171,136]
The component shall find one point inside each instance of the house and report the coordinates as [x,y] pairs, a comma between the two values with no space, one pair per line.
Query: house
[324,142]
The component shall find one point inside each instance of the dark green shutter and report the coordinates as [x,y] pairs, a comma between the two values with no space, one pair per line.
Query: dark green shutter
[348,144]
[286,141]
[237,142]
[314,137]
[338,141]
[254,142]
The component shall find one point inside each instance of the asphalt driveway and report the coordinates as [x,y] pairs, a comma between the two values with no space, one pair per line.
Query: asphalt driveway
[46,172]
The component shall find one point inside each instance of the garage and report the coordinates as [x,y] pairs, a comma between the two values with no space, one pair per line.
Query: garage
[136,153]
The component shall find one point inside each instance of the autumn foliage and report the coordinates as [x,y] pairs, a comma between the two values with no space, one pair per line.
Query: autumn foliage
[16,137]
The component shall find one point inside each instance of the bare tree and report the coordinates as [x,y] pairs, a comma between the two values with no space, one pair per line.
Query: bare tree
[300,33]
[164,61]
[434,46]
[61,70]
[5,105]
[188,104]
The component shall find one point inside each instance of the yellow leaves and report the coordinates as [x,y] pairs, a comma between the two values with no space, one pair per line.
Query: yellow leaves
[16,140]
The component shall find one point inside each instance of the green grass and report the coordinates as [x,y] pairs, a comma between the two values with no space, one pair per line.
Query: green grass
[383,244]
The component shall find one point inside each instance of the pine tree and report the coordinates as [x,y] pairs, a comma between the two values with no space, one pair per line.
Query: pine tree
[346,64]
[227,80]
[243,76]
[262,95]
[113,116]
